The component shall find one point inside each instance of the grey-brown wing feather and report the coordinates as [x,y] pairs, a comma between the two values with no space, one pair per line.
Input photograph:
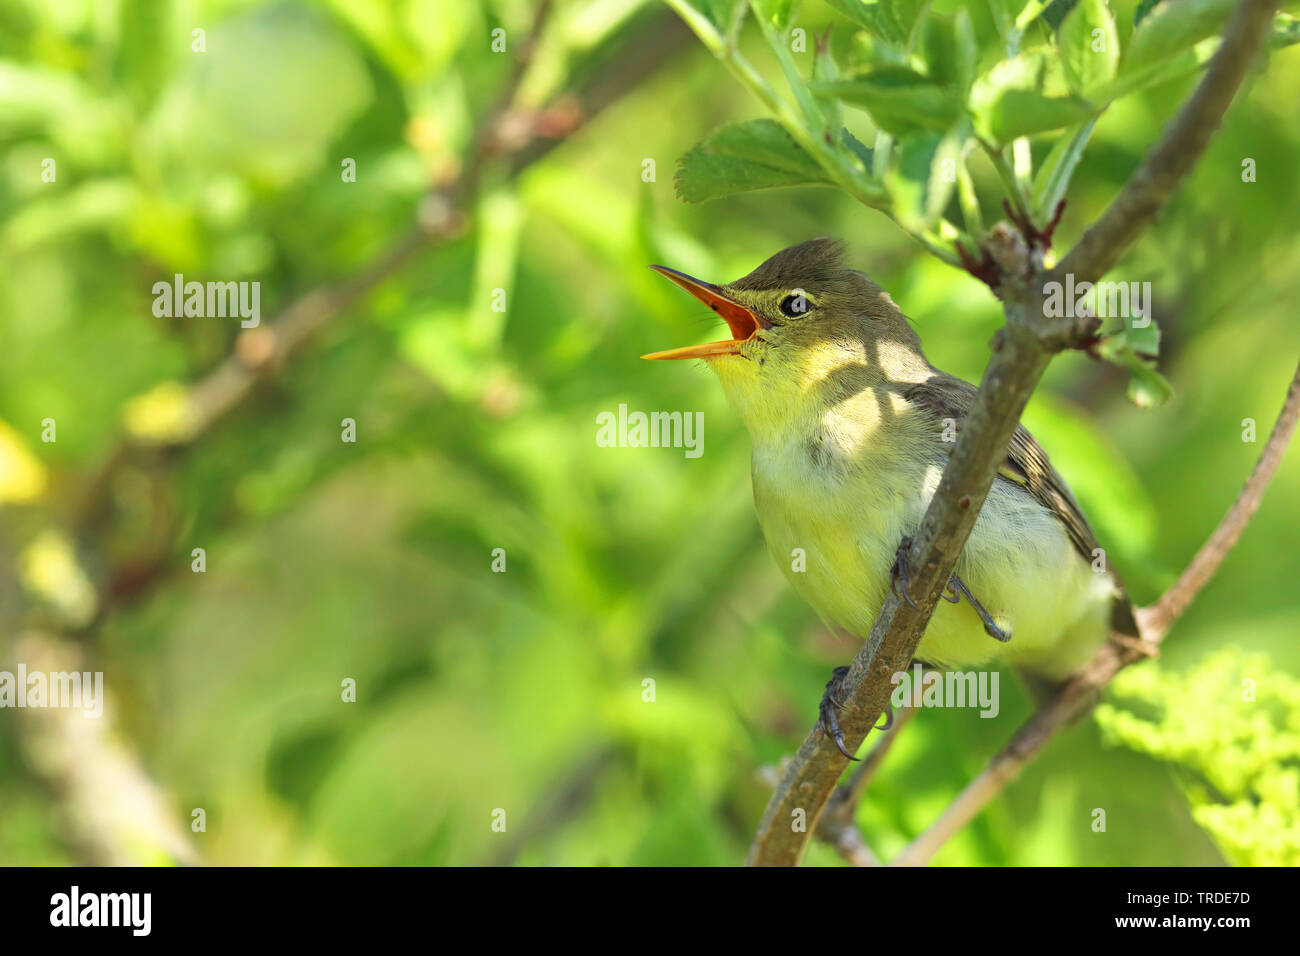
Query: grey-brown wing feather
[1027,465]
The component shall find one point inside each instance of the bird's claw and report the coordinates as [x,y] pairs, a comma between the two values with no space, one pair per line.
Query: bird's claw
[990,626]
[831,703]
[899,573]
[826,710]
[889,718]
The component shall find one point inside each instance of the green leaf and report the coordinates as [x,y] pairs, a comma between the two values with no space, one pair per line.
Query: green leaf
[1172,27]
[1136,349]
[899,100]
[904,14]
[921,179]
[719,12]
[1056,12]
[1286,31]
[1143,8]
[1137,80]
[1004,15]
[859,149]
[947,47]
[1089,45]
[1012,99]
[743,157]
[777,12]
[868,52]
[711,20]
[826,70]
[1148,388]
[869,15]
[1053,178]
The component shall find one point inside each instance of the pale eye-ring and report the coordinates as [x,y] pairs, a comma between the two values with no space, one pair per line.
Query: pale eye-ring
[795,304]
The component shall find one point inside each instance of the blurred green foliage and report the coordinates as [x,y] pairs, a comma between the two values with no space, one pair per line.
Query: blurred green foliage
[1231,726]
[524,690]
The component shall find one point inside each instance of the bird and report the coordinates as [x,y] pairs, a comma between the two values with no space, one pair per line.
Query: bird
[851,426]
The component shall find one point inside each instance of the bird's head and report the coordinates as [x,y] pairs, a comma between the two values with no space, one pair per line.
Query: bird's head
[806,332]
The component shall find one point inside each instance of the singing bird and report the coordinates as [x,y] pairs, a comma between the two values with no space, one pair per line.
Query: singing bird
[851,427]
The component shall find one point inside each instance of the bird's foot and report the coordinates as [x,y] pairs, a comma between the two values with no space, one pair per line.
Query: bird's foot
[832,701]
[898,574]
[991,628]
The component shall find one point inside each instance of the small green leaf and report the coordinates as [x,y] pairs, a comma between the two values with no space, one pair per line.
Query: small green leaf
[923,175]
[859,149]
[779,13]
[758,154]
[711,20]
[1016,98]
[1053,178]
[1172,27]
[826,70]
[867,52]
[947,47]
[869,15]
[721,12]
[908,179]
[899,100]
[1056,12]
[1004,15]
[1286,31]
[1136,80]
[1145,339]
[904,14]
[1089,45]
[1143,8]
[717,13]
[1148,388]
[1136,349]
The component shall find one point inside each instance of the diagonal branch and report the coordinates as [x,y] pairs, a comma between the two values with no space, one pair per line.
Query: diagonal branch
[1021,352]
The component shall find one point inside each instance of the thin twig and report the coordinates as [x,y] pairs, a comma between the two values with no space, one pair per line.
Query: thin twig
[847,840]
[564,802]
[848,795]
[837,826]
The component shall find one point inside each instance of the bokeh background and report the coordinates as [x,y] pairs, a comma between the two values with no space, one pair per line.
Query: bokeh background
[372,560]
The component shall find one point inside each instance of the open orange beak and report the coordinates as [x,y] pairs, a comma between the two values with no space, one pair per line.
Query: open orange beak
[743,323]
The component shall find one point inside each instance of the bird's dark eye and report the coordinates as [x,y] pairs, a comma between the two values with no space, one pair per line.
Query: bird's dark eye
[794,305]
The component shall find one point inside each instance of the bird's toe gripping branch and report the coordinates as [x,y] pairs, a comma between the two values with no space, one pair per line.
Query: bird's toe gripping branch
[991,628]
[900,576]
[832,701]
[899,573]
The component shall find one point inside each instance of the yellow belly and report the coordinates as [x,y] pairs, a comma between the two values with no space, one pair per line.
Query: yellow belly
[835,539]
